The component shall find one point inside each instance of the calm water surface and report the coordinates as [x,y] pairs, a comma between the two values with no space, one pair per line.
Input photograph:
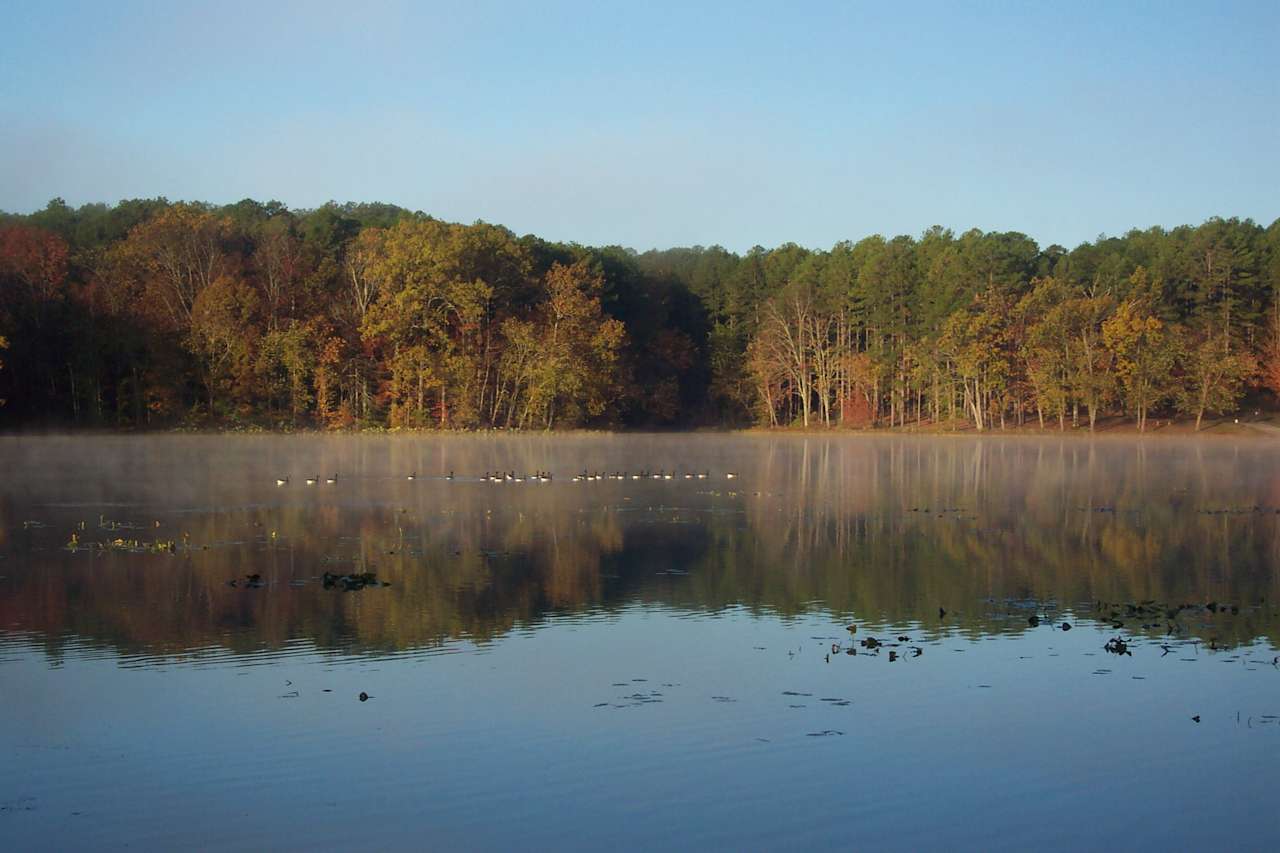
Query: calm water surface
[639,663]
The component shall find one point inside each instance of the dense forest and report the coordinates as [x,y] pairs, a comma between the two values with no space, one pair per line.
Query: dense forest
[151,314]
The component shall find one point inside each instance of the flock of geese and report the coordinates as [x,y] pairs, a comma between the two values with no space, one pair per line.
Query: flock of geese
[546,477]
[310,481]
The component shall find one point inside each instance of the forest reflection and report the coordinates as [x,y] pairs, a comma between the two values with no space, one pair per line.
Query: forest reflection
[885,531]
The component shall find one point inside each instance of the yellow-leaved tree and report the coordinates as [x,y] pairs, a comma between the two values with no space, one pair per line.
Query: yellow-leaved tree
[1143,348]
[432,287]
[562,366]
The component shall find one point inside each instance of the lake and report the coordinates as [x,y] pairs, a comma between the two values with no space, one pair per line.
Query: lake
[1060,643]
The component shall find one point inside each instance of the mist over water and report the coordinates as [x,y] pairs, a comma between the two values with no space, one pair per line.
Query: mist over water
[637,662]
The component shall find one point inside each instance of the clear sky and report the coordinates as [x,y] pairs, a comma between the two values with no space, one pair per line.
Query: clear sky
[655,124]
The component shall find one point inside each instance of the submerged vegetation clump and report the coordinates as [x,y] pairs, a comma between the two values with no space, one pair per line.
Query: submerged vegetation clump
[352,582]
[133,546]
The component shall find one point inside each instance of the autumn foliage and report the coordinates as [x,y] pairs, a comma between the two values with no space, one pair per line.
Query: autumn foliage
[153,314]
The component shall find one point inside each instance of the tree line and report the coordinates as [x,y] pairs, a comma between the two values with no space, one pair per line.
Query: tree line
[151,314]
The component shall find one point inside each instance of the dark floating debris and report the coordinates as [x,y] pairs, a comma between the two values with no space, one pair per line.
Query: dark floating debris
[253,581]
[352,582]
[826,733]
[1117,646]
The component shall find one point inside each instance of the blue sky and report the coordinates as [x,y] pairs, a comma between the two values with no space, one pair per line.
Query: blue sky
[655,124]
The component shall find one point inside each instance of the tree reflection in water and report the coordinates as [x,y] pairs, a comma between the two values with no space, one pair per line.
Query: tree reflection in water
[884,530]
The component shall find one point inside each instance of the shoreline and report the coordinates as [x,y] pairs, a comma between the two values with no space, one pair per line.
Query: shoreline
[1261,427]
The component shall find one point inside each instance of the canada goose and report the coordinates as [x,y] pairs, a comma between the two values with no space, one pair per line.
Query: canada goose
[412,476]
[702,475]
[635,476]
[688,475]
[450,477]
[331,480]
[667,476]
[311,481]
[282,481]
[731,476]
